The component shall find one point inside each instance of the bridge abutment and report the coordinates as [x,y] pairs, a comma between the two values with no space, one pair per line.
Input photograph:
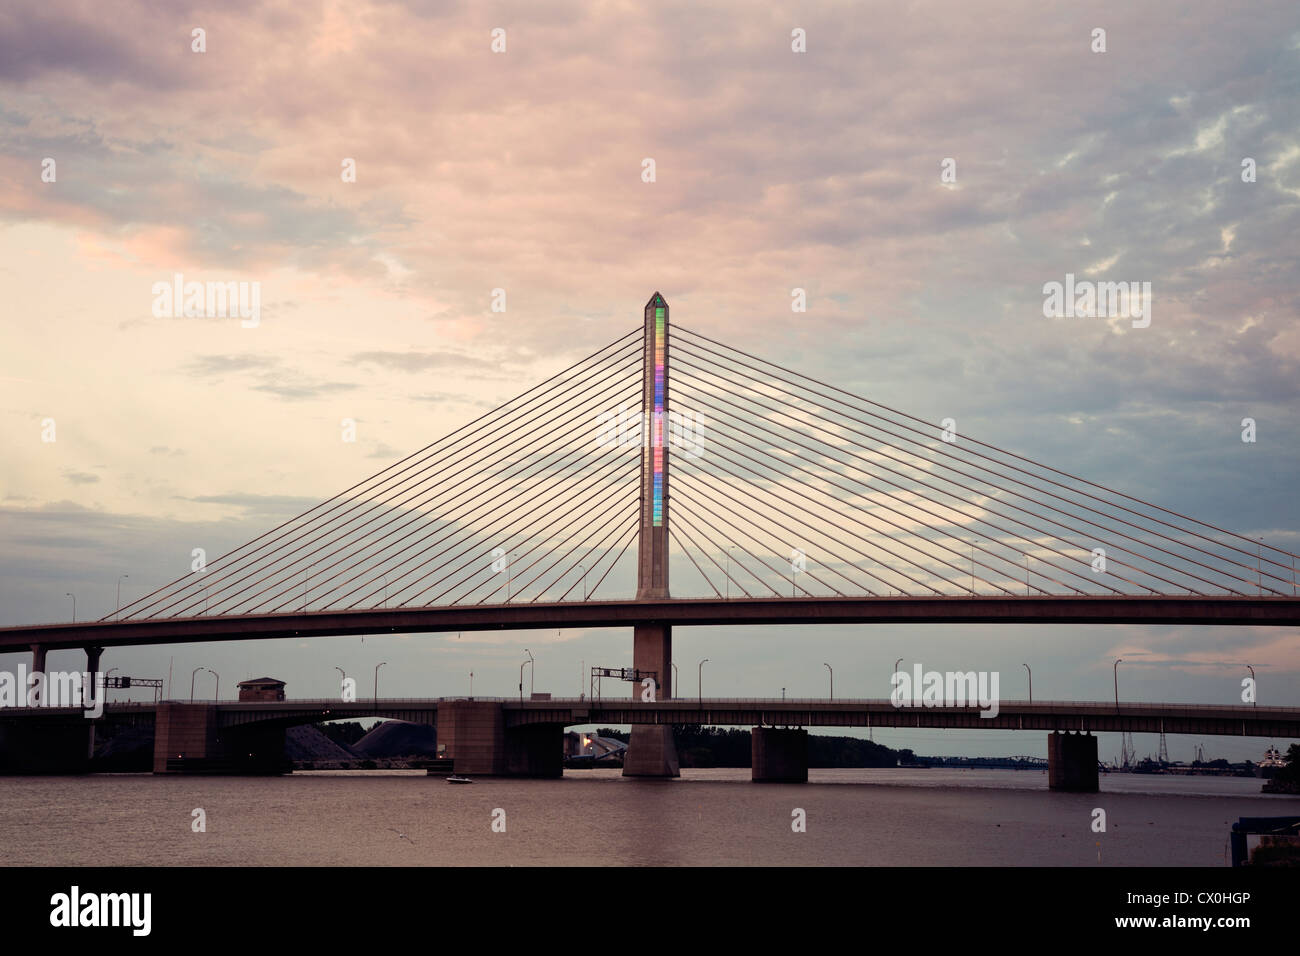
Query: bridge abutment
[779,755]
[1072,762]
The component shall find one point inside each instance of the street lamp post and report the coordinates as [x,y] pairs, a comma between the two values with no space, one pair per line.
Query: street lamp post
[377,666]
[119,592]
[192,676]
[218,677]
[700,679]
[74,605]
[343,677]
[1031,684]
[1253,687]
[1118,661]
[532,672]
[675,681]
[829,668]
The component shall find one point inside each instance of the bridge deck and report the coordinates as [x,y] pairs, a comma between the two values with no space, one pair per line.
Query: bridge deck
[1055,715]
[1179,609]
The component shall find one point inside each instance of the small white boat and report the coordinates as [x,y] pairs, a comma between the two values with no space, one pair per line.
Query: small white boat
[455,779]
[1273,759]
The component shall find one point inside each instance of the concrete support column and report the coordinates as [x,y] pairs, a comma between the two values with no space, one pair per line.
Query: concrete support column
[38,666]
[652,752]
[93,654]
[185,735]
[1072,762]
[188,738]
[474,736]
[778,755]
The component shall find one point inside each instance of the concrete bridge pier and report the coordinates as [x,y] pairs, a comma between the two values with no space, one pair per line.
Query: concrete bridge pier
[1072,762]
[93,655]
[651,750]
[779,755]
[473,733]
[38,660]
[187,739]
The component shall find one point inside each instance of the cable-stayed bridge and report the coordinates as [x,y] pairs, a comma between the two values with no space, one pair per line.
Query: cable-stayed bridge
[764,495]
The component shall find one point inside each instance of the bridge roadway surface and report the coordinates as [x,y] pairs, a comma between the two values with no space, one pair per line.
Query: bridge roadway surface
[1046,609]
[1091,716]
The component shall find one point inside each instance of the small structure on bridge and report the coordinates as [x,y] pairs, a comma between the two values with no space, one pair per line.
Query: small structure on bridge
[261,688]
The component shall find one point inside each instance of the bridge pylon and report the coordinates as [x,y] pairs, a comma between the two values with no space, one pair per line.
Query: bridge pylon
[652,537]
[652,751]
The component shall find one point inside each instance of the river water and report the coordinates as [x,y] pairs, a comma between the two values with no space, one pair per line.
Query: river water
[890,817]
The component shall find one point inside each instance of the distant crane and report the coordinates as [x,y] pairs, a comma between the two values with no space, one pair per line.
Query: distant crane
[1127,755]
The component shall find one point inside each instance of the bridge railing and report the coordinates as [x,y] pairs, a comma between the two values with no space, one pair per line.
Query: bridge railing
[416,703]
[856,701]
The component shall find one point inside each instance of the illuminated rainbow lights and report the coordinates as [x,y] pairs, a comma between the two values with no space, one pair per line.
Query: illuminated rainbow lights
[658,419]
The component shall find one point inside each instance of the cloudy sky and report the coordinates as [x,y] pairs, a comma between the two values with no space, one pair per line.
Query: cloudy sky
[522,170]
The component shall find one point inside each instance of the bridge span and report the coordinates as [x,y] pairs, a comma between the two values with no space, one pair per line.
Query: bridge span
[1050,715]
[514,737]
[666,612]
[800,504]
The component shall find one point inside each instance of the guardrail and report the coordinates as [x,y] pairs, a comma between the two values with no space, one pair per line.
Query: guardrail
[562,702]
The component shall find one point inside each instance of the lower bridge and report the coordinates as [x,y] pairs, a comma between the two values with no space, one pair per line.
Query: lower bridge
[524,737]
